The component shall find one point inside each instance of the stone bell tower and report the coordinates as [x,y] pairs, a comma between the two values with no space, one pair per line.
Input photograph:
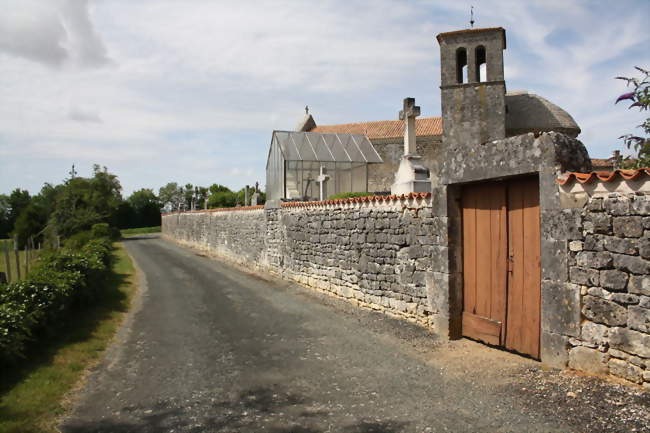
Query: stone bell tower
[472,87]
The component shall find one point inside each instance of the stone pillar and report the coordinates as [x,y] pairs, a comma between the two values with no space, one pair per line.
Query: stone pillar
[410,176]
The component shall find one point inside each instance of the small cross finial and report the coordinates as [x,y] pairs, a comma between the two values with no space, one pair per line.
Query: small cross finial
[471,16]
[306,109]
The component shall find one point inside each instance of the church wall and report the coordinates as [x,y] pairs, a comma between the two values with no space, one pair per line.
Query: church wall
[391,150]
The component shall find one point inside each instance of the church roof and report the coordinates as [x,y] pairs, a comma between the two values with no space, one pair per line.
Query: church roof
[528,112]
[384,128]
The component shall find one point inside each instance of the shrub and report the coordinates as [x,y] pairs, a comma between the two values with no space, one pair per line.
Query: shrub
[60,281]
[78,240]
[103,230]
[349,195]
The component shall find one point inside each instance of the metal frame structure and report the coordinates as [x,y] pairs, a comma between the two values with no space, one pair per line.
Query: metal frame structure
[298,159]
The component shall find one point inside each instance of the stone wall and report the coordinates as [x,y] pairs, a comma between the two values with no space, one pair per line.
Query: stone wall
[238,235]
[376,253]
[609,266]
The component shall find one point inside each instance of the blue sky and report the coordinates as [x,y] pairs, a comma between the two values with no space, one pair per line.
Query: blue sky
[190,90]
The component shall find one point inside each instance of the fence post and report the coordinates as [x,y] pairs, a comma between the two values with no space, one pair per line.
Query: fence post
[17,254]
[26,257]
[5,249]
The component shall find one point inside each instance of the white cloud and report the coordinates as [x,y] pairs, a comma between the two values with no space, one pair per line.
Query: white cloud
[190,91]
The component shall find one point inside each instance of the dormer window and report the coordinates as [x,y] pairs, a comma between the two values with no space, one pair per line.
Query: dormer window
[462,75]
[481,65]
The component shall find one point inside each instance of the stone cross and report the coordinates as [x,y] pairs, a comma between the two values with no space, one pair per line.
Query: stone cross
[408,115]
[321,179]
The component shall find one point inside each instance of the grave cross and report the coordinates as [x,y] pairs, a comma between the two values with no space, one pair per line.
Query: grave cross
[408,115]
[321,179]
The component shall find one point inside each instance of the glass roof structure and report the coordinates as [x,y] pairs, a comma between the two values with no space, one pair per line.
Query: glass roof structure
[312,165]
[314,146]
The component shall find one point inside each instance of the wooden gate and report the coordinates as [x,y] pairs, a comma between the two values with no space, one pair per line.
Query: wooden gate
[501,264]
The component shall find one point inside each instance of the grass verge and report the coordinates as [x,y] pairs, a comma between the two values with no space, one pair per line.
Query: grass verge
[32,394]
[139,231]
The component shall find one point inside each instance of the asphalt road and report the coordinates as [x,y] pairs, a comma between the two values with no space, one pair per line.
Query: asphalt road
[209,348]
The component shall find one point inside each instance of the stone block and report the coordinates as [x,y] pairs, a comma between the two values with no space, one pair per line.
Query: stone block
[617,205]
[588,360]
[613,280]
[629,226]
[638,318]
[640,205]
[561,308]
[584,276]
[624,369]
[554,258]
[603,311]
[576,246]
[595,204]
[639,284]
[634,342]
[554,349]
[644,248]
[624,298]
[595,333]
[594,242]
[590,259]
[644,301]
[620,245]
[634,264]
[598,223]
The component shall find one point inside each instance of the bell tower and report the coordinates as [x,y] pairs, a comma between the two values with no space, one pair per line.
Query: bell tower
[472,87]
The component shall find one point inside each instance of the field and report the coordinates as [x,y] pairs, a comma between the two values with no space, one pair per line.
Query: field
[12,258]
[139,231]
[34,394]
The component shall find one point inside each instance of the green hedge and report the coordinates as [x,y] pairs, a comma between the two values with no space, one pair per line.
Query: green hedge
[342,195]
[59,282]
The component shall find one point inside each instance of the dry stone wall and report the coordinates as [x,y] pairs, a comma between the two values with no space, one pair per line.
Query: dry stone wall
[376,253]
[609,265]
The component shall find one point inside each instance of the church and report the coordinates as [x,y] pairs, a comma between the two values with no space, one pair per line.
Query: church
[479,67]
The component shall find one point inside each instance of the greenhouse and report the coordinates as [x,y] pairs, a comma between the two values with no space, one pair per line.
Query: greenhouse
[313,166]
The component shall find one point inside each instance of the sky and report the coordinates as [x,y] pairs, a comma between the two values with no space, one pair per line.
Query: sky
[189,91]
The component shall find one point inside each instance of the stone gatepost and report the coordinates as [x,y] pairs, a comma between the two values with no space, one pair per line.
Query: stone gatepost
[410,176]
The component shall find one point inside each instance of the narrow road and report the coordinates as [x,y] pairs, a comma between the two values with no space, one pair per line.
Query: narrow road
[212,349]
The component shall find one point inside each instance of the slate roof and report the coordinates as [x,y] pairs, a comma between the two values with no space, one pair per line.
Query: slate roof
[379,129]
[603,176]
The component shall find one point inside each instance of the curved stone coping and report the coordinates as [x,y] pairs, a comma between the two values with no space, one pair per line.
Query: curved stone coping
[373,199]
[219,209]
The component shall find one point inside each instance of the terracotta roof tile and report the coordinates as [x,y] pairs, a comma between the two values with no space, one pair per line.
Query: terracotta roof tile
[384,128]
[366,199]
[603,176]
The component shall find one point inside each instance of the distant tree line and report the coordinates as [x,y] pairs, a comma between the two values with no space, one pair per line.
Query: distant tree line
[59,212]
[174,197]
[62,211]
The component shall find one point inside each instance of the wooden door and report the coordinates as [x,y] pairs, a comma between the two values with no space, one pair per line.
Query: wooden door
[524,275]
[501,264]
[485,243]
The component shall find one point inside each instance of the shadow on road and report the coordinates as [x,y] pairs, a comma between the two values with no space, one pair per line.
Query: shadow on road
[274,408]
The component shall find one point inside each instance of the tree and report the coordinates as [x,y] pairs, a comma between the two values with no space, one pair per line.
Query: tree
[18,200]
[5,227]
[146,207]
[30,224]
[83,202]
[640,97]
[171,196]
